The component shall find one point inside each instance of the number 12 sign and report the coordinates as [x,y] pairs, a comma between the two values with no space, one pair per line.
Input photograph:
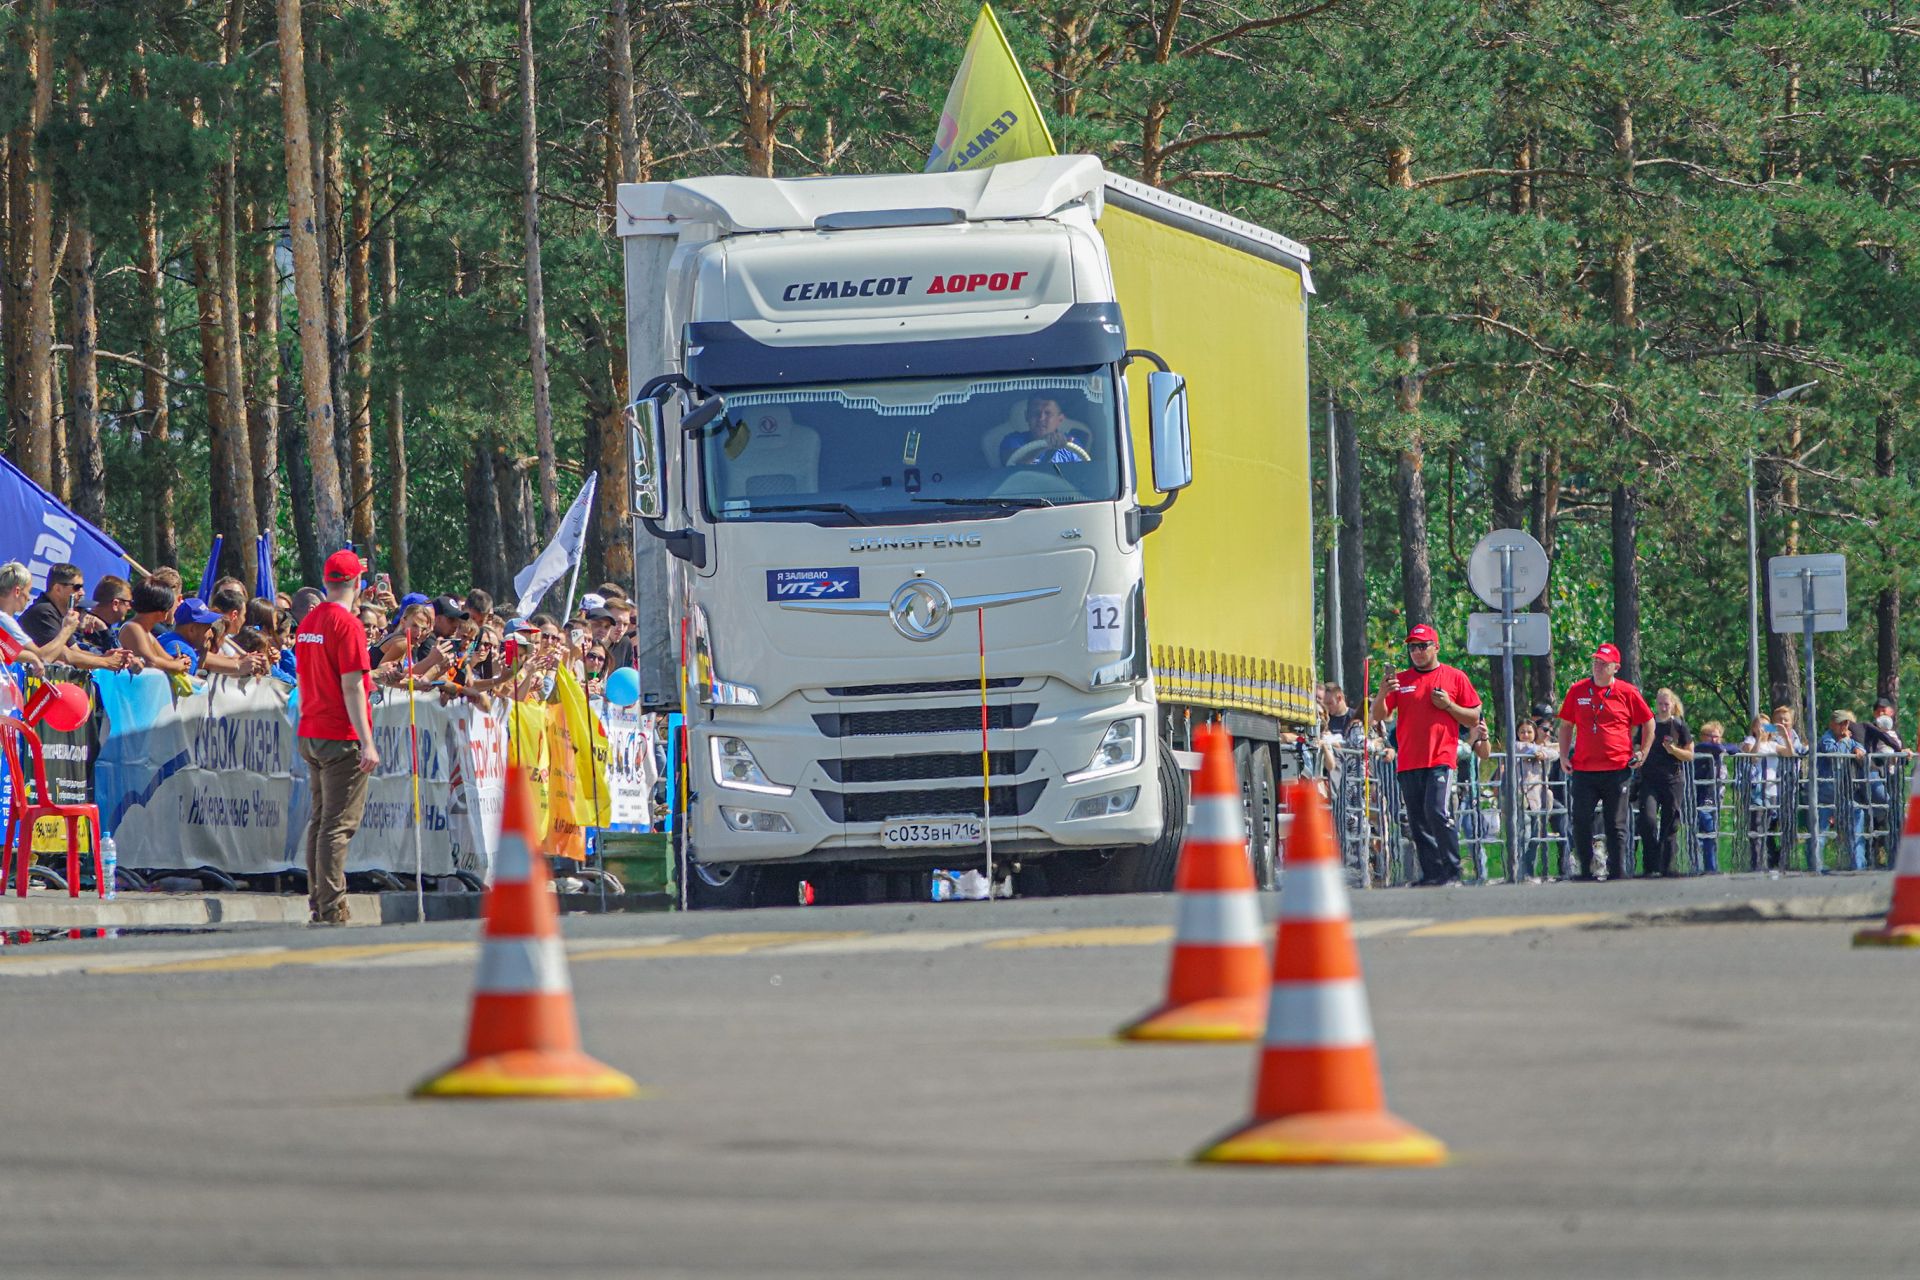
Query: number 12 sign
[1106,624]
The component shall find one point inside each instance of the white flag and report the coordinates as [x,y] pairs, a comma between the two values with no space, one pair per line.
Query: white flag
[533,582]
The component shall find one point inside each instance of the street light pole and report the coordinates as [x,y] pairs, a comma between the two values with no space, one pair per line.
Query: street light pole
[1753,556]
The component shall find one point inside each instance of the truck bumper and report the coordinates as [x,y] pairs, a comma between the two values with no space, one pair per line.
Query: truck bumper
[855,766]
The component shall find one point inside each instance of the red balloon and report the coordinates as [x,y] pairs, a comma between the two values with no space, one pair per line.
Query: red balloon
[63,706]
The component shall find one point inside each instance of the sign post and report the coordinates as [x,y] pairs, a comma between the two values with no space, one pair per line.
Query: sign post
[1508,569]
[1809,594]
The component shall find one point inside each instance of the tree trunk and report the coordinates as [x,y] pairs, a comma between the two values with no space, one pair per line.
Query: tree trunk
[1626,521]
[19,266]
[396,495]
[239,551]
[625,133]
[1783,651]
[757,127]
[333,245]
[263,339]
[536,287]
[1626,581]
[83,429]
[89,464]
[35,452]
[164,543]
[609,542]
[57,418]
[360,379]
[1546,514]
[328,523]
[1410,485]
[516,516]
[212,329]
[1353,547]
[1887,606]
[300,500]
[483,524]
[1416,571]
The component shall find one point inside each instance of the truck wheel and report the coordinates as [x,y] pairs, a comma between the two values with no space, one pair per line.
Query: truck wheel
[716,887]
[1259,799]
[1155,864]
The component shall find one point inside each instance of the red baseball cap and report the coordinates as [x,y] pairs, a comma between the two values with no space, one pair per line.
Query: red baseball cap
[1423,632]
[343,566]
[1607,653]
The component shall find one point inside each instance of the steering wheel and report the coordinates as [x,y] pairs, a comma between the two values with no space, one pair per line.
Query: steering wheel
[1033,448]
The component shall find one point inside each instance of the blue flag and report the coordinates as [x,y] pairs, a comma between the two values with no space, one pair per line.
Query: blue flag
[37,529]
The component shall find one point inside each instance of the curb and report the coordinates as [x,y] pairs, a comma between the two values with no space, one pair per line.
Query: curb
[161,910]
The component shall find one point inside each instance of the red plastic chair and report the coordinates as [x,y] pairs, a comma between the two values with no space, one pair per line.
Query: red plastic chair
[21,815]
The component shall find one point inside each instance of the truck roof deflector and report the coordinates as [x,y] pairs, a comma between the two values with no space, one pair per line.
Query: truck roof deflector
[873,219]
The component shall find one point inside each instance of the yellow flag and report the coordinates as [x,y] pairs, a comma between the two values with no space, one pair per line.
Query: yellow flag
[990,114]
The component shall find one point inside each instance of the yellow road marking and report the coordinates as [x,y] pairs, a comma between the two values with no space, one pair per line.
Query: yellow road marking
[273,958]
[716,944]
[1116,936]
[1501,926]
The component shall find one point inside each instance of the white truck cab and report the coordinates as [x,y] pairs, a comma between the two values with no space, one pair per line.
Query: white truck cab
[892,559]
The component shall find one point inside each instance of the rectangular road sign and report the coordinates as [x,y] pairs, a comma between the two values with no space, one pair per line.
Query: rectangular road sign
[1532,634]
[1787,578]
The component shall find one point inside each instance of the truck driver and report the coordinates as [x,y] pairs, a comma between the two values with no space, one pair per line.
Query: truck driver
[1050,437]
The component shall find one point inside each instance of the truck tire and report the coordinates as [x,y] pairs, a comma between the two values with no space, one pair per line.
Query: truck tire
[1140,868]
[1259,798]
[712,887]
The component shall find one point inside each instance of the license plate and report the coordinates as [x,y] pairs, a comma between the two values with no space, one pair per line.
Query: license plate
[929,835]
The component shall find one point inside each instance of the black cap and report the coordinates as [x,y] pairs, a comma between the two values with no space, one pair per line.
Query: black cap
[601,615]
[448,607]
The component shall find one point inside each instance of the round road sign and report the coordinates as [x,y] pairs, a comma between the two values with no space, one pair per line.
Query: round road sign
[1529,567]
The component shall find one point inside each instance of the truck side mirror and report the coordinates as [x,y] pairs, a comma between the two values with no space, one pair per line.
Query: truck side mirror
[647,439]
[1167,429]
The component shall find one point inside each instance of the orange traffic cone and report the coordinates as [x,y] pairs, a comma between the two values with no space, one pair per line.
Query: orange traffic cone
[1902,928]
[524,1039]
[1318,1099]
[1217,985]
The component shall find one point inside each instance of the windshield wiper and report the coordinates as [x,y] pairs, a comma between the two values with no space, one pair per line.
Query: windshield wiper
[835,508]
[1018,501]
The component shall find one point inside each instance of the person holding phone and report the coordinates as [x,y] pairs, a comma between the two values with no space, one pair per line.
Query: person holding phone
[1434,703]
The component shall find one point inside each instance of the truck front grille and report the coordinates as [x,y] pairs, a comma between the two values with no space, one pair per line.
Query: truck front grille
[938,767]
[880,724]
[925,686]
[883,806]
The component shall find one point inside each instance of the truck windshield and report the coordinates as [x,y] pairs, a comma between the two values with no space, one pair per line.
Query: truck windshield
[915,450]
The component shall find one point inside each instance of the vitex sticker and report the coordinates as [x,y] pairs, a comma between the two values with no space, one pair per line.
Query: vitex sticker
[813,584]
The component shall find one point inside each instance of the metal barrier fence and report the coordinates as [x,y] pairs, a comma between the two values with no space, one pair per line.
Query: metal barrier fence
[1730,812]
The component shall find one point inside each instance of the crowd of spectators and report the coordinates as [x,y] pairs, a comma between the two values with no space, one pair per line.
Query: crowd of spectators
[460,646]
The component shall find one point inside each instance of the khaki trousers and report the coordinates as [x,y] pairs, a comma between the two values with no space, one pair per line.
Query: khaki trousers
[339,792]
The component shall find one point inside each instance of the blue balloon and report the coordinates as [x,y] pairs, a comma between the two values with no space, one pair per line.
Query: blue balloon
[623,687]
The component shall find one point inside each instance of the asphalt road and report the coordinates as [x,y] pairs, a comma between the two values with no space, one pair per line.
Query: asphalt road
[929,1091]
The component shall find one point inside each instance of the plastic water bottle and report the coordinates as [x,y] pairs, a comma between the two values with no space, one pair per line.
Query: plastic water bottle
[109,865]
[946,886]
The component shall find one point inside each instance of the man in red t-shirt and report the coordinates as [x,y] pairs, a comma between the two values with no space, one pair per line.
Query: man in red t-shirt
[1434,702]
[1599,719]
[336,731]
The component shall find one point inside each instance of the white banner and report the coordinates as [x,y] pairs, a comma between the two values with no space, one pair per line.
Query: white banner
[630,767]
[214,779]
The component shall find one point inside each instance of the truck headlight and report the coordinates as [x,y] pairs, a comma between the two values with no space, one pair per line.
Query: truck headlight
[764,820]
[735,769]
[1119,751]
[1104,805]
